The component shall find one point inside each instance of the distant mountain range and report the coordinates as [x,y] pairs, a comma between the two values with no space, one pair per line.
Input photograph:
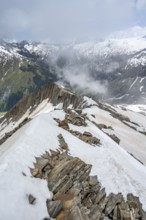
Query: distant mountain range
[113,70]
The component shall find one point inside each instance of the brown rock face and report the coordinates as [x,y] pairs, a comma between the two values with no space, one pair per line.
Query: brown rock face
[76,118]
[78,196]
[50,91]
[63,124]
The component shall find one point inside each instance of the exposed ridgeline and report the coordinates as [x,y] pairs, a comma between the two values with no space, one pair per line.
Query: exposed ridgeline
[29,106]
[52,93]
[74,140]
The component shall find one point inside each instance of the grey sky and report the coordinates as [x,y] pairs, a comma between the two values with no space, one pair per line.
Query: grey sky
[59,20]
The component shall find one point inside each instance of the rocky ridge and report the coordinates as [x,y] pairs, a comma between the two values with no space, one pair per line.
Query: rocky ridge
[50,92]
[77,195]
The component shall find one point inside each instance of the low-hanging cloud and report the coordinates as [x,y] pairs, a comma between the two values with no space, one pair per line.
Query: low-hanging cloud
[66,20]
[80,79]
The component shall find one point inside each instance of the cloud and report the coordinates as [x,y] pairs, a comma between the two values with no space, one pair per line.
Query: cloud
[141,4]
[60,20]
[78,75]
[82,80]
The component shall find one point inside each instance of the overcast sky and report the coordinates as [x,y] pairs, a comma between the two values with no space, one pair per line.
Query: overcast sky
[61,20]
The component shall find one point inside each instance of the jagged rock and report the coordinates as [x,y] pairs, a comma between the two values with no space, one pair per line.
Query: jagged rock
[75,191]
[54,153]
[64,168]
[75,133]
[76,214]
[78,196]
[115,138]
[102,126]
[64,124]
[123,210]
[54,93]
[119,116]
[31,199]
[85,212]
[95,213]
[94,141]
[113,200]
[79,121]
[63,144]
[46,155]
[62,190]
[9,134]
[35,172]
[88,134]
[54,208]
[103,203]
[101,194]
[41,163]
[115,213]
[76,119]
[93,180]
[135,205]
[79,111]
[88,138]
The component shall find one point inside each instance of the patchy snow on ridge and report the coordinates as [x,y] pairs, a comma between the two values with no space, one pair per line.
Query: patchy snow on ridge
[8,54]
[138,59]
[131,140]
[116,169]
[112,46]
[136,108]
[42,49]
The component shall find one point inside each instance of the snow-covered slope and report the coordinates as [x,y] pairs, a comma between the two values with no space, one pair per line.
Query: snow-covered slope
[8,52]
[130,139]
[112,69]
[112,47]
[117,170]
[138,59]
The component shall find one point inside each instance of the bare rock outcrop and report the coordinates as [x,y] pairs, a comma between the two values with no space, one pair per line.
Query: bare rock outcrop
[79,196]
[78,120]
[55,95]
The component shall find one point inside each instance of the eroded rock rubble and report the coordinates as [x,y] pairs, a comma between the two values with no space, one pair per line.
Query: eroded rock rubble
[79,120]
[79,196]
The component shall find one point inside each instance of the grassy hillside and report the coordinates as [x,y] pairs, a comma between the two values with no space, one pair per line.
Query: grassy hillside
[22,76]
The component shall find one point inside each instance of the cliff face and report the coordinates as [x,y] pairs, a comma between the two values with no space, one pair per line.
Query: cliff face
[52,92]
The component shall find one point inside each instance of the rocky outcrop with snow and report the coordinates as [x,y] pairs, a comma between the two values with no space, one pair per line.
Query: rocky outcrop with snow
[59,144]
[76,195]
